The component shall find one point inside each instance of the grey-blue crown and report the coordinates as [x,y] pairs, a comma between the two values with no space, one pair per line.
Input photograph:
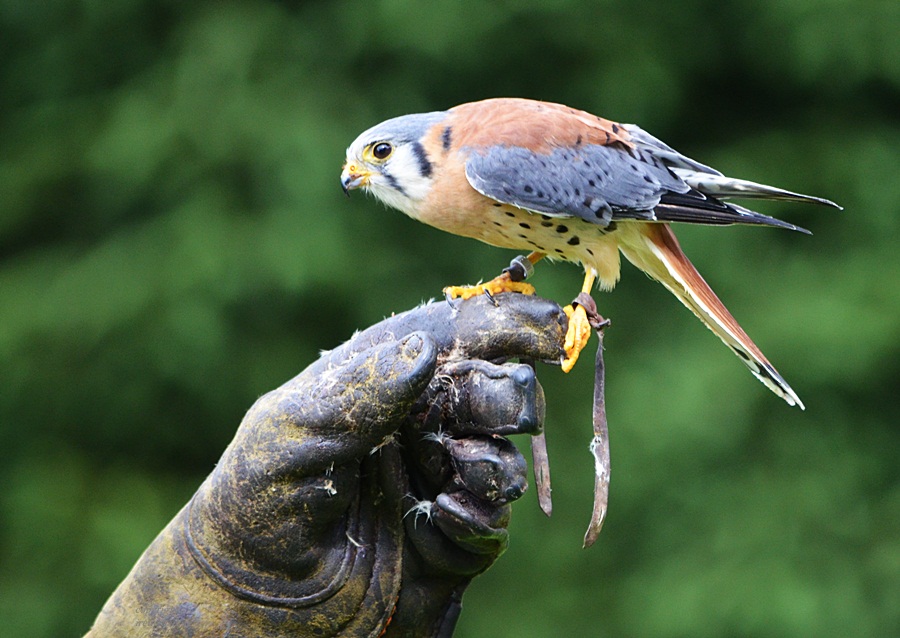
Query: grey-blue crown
[403,129]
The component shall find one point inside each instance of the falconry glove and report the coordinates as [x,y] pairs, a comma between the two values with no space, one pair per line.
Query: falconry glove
[361,497]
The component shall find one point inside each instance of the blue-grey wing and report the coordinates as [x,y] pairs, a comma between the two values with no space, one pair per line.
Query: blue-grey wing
[596,183]
[602,184]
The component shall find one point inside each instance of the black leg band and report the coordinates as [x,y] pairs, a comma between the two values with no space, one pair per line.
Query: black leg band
[519,269]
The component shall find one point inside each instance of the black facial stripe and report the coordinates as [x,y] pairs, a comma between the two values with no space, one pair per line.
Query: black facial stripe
[422,158]
[446,138]
[393,182]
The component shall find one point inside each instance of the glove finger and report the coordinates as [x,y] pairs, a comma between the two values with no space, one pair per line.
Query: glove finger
[476,526]
[439,551]
[486,398]
[467,398]
[517,326]
[366,394]
[491,468]
[382,383]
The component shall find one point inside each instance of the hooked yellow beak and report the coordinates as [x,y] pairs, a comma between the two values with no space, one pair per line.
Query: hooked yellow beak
[354,176]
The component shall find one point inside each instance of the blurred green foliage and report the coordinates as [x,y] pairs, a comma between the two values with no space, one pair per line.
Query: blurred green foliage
[174,243]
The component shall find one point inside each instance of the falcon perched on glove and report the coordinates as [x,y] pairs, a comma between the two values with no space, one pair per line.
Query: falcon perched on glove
[564,184]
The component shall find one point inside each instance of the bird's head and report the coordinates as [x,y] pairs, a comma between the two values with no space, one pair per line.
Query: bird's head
[390,162]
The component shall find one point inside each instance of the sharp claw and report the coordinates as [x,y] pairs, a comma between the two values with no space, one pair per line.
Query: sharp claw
[451,300]
[569,363]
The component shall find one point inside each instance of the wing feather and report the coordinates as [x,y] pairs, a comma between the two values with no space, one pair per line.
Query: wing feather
[547,159]
[591,182]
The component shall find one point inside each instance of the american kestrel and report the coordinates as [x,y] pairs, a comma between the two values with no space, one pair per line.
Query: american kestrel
[567,185]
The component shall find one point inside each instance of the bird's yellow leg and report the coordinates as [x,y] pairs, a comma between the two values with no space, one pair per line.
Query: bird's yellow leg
[579,328]
[535,257]
[501,283]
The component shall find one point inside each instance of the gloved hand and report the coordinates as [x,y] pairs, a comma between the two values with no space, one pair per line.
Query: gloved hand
[361,497]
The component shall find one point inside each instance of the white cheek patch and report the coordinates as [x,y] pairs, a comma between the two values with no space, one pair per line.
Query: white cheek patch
[405,167]
[401,183]
[392,197]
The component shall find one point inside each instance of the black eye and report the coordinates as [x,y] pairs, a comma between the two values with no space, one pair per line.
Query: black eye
[382,150]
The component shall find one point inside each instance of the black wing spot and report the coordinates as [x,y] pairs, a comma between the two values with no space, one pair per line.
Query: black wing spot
[524,225]
[615,128]
[740,353]
[509,214]
[546,224]
[528,189]
[562,229]
[498,205]
[592,183]
[574,241]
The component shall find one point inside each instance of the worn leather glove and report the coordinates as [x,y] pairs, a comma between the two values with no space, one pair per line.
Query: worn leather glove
[361,497]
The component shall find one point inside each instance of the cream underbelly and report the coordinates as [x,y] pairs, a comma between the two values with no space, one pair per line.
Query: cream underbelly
[565,238]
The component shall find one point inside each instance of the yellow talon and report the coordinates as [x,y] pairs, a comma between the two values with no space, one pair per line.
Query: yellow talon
[579,331]
[495,286]
[576,337]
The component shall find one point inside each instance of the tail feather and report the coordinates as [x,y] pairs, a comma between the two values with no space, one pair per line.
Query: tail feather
[654,249]
[723,187]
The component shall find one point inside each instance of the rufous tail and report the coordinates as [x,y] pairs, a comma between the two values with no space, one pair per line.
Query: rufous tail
[654,249]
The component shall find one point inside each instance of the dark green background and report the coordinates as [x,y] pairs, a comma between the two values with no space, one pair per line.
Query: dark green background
[174,243]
